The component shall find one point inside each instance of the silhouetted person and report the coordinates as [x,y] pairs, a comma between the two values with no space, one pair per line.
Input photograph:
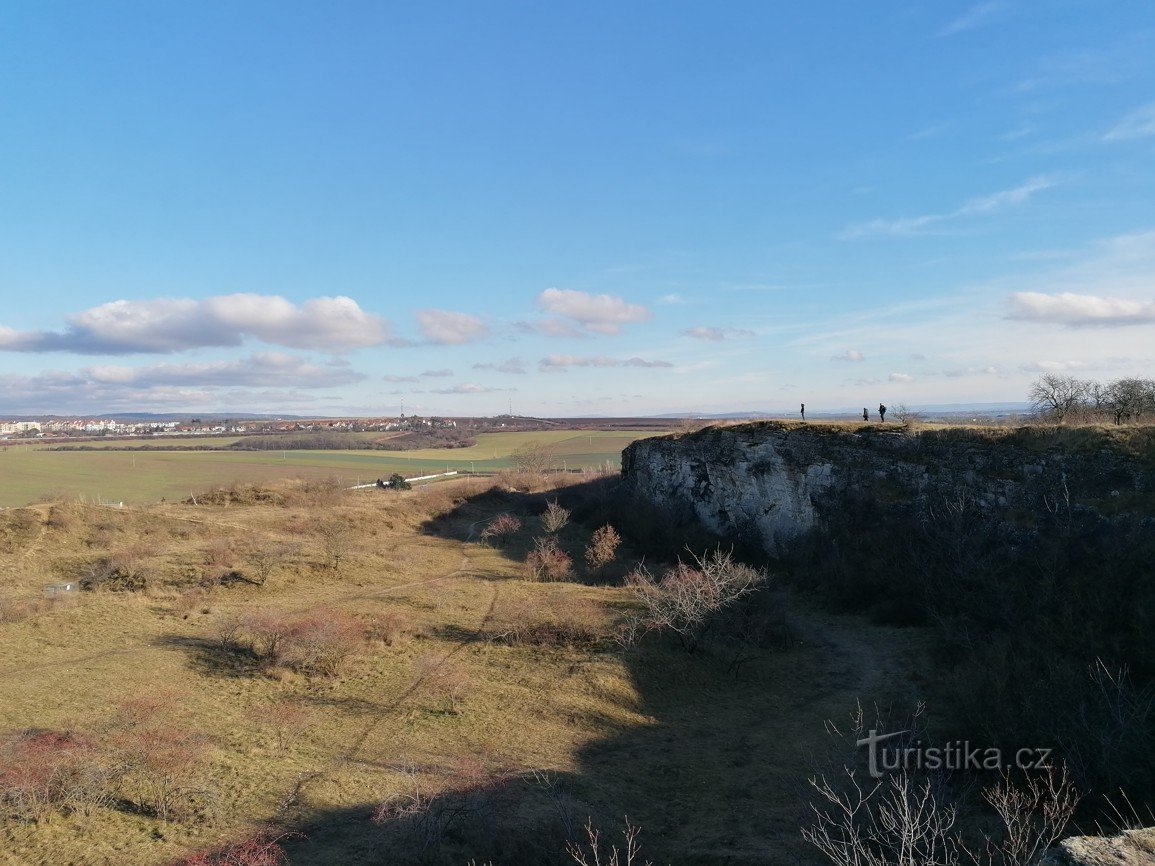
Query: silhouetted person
[881,413]
[865,414]
[803,411]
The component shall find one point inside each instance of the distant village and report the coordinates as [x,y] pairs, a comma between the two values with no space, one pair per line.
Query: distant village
[97,427]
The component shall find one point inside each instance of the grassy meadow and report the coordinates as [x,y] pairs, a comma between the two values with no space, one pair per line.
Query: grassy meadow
[521,739]
[30,473]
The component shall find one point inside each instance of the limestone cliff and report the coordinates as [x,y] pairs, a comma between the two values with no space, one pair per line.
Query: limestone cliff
[772,481]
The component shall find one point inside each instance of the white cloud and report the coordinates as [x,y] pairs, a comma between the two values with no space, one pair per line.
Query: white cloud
[975,16]
[900,377]
[849,355]
[165,325]
[449,328]
[112,386]
[434,374]
[1140,123]
[1053,366]
[602,314]
[716,334]
[395,378]
[672,298]
[910,226]
[1077,310]
[558,363]
[469,388]
[510,365]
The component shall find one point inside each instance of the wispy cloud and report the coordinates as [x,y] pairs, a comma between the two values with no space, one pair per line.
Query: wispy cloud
[1140,123]
[974,17]
[167,325]
[717,334]
[1075,310]
[469,388]
[558,363]
[983,205]
[437,374]
[904,378]
[449,328]
[510,365]
[849,355]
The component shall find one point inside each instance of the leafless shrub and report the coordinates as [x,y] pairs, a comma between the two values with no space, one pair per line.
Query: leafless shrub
[603,547]
[895,821]
[686,597]
[554,518]
[261,849]
[336,540]
[1034,816]
[593,853]
[445,680]
[220,553]
[574,622]
[388,627]
[500,528]
[547,561]
[288,718]
[263,555]
[157,751]
[314,643]
[122,571]
[45,772]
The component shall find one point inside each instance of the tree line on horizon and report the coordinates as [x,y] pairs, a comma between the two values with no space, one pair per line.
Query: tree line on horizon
[1066,398]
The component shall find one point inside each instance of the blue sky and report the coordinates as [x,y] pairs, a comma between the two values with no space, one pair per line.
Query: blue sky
[582,208]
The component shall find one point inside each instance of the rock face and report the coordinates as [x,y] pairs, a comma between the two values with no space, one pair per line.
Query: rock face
[772,482]
[1130,848]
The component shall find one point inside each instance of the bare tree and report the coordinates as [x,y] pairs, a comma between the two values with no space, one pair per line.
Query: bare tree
[337,541]
[686,597]
[264,555]
[592,853]
[1058,396]
[554,518]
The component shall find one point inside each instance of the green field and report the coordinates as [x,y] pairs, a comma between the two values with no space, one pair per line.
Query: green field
[31,473]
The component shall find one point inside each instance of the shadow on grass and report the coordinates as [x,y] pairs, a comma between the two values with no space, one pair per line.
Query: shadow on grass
[213,658]
[711,765]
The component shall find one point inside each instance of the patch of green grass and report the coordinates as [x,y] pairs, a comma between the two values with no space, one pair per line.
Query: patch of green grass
[32,474]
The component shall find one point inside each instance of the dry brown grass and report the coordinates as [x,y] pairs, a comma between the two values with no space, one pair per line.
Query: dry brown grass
[463,658]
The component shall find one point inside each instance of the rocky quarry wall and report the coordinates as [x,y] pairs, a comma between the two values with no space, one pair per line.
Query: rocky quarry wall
[772,481]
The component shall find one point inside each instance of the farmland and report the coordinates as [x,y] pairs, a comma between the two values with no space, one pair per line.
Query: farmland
[32,473]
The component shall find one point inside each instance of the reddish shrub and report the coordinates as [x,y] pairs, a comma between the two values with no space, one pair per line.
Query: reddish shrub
[547,561]
[261,849]
[603,547]
[46,771]
[501,528]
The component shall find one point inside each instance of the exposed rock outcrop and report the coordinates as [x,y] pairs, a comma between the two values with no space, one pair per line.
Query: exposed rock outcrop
[772,481]
[1130,848]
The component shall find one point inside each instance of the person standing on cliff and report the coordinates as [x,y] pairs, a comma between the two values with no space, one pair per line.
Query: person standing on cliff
[865,414]
[881,413]
[803,411]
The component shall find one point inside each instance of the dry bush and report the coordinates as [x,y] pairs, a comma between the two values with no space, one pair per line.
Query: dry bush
[122,571]
[500,528]
[570,622]
[554,518]
[603,547]
[591,852]
[263,555]
[288,718]
[469,805]
[47,772]
[261,849]
[321,642]
[687,599]
[445,680]
[157,751]
[337,541]
[902,821]
[547,561]
[190,601]
[220,553]
[314,643]
[388,627]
